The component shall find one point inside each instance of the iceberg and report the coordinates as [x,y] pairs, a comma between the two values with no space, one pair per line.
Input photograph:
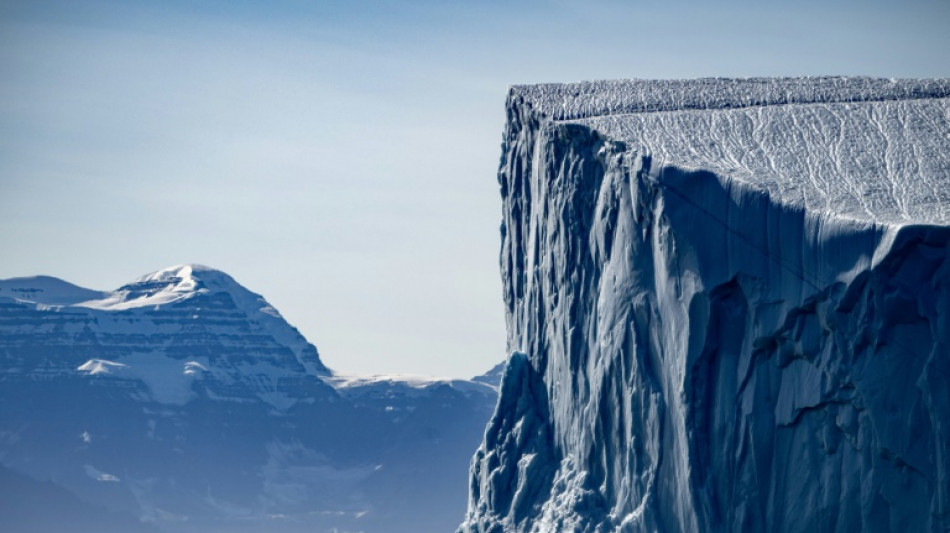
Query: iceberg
[727,306]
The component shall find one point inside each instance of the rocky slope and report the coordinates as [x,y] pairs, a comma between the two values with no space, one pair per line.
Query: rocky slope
[187,401]
[728,308]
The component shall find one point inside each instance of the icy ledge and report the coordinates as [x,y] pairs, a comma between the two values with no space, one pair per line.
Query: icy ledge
[694,351]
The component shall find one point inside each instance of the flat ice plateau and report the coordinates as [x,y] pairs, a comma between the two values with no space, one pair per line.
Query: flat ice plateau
[728,308]
[186,402]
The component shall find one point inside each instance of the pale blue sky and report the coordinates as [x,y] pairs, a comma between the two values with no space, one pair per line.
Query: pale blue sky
[340,157]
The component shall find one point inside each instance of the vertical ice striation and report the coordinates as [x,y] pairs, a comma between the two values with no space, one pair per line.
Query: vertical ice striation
[728,304]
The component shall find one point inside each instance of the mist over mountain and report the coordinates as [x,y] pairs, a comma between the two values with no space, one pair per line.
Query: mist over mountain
[31,506]
[185,402]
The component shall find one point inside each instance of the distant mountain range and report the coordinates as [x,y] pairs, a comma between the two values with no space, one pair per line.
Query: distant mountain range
[187,401]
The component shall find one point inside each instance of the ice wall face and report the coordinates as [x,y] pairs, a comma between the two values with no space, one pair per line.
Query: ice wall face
[700,349]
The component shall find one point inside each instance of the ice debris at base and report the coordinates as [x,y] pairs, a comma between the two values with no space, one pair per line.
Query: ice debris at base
[728,304]
[185,400]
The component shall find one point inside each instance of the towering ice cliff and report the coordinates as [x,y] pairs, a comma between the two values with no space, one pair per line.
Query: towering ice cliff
[728,308]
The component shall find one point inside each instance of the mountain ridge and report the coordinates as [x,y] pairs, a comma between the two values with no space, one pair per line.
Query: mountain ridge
[186,400]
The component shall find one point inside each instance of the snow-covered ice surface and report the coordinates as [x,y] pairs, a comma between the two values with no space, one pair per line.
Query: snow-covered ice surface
[186,400]
[728,308]
[567,101]
[865,148]
[876,161]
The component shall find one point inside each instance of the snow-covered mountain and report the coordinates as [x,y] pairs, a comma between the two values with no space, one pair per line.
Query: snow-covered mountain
[728,308]
[186,400]
[493,376]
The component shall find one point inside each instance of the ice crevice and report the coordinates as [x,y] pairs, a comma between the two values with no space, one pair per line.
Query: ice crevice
[741,337]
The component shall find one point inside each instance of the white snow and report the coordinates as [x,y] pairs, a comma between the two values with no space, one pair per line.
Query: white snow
[406,385]
[570,101]
[162,287]
[194,368]
[95,367]
[874,161]
[168,380]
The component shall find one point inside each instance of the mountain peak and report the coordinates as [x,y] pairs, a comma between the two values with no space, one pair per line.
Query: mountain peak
[179,284]
[169,285]
[185,270]
[189,277]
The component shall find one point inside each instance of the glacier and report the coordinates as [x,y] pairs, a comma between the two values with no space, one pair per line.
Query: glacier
[183,402]
[727,306]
